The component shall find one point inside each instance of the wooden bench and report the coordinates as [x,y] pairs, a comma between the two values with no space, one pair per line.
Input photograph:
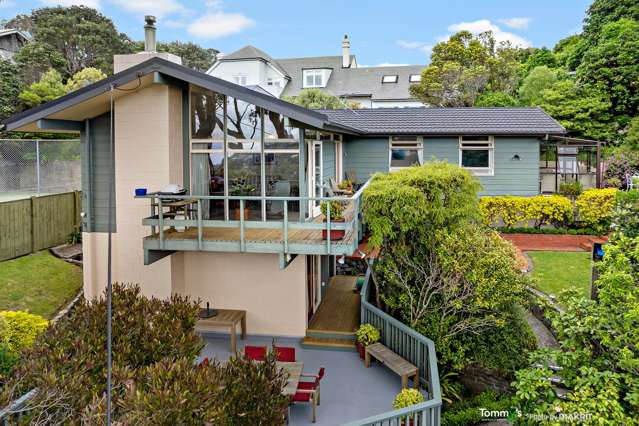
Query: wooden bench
[396,363]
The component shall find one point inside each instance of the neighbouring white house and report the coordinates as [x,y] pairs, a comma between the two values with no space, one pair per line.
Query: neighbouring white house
[11,40]
[371,87]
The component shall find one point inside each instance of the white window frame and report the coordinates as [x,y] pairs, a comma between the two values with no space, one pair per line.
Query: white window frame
[339,167]
[415,143]
[315,73]
[414,78]
[240,79]
[395,79]
[466,143]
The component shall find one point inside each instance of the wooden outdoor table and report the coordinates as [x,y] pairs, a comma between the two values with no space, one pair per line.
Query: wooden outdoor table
[294,370]
[396,363]
[225,318]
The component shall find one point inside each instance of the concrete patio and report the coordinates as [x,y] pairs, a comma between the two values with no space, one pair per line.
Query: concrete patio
[349,390]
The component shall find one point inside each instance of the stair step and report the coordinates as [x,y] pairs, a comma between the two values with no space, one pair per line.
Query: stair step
[330,334]
[327,343]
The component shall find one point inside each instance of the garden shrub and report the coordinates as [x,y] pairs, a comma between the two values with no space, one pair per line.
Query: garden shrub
[510,210]
[571,189]
[595,207]
[543,210]
[625,217]
[621,164]
[8,360]
[549,210]
[467,412]
[19,329]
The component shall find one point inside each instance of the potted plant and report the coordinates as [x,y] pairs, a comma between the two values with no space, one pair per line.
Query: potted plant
[337,215]
[346,185]
[406,398]
[241,187]
[366,334]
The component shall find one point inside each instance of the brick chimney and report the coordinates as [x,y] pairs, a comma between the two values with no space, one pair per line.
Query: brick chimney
[346,52]
[122,62]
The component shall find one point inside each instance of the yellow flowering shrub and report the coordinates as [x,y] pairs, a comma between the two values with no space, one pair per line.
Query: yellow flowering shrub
[20,329]
[554,210]
[595,207]
[510,210]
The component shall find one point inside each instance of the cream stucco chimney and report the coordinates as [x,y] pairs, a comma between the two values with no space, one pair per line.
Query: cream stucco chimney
[346,52]
[122,62]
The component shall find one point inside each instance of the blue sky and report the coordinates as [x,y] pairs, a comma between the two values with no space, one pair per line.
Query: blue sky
[397,32]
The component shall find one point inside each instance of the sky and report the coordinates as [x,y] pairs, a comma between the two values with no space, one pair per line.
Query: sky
[381,32]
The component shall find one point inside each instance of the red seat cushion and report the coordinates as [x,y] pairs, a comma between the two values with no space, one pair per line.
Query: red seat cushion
[302,397]
[284,354]
[307,385]
[256,353]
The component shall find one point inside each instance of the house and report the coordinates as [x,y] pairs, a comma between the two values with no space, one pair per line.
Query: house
[341,76]
[248,232]
[11,40]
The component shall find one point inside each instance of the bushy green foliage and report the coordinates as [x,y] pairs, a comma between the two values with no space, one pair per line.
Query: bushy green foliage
[179,392]
[19,329]
[595,207]
[337,209]
[318,99]
[8,359]
[538,79]
[467,412]
[625,216]
[571,189]
[631,141]
[496,99]
[10,86]
[84,78]
[542,210]
[410,205]
[49,87]
[367,334]
[407,397]
[621,164]
[68,362]
[599,359]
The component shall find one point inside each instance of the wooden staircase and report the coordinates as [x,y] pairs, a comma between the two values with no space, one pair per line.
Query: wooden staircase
[333,325]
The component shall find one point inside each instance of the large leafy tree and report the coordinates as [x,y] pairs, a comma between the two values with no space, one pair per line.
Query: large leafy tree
[81,35]
[602,12]
[47,89]
[612,66]
[569,51]
[35,58]
[10,86]
[463,67]
[84,78]
[193,55]
[538,80]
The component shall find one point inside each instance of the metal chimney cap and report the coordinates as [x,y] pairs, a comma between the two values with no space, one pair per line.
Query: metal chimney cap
[150,20]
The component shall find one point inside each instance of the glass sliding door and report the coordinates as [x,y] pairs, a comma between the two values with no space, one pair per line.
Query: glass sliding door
[316,179]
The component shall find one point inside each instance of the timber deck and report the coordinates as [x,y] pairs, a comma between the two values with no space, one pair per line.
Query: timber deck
[339,311]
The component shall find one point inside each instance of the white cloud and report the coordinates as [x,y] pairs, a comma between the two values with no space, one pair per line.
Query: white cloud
[157,8]
[66,3]
[6,4]
[418,45]
[483,25]
[219,24]
[517,23]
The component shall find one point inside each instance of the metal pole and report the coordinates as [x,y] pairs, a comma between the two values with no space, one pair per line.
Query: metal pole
[109,301]
[37,166]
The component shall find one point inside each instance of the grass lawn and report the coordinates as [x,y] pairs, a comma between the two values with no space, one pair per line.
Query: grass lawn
[39,283]
[554,271]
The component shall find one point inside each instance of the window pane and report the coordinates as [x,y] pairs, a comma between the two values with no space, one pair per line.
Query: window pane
[207,115]
[207,175]
[475,138]
[318,79]
[475,158]
[309,79]
[404,138]
[404,157]
[282,180]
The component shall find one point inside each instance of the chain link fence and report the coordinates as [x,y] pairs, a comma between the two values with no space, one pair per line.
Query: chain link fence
[38,166]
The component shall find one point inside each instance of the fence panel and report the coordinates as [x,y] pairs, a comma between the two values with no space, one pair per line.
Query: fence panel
[37,223]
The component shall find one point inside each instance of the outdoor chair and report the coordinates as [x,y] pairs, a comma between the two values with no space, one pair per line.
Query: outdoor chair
[308,395]
[284,354]
[314,385]
[256,353]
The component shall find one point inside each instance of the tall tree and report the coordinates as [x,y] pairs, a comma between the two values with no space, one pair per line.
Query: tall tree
[193,55]
[47,89]
[83,36]
[612,66]
[538,80]
[602,12]
[84,78]
[569,51]
[10,85]
[463,67]
[35,58]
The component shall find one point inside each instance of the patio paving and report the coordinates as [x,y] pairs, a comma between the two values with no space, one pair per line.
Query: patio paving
[350,391]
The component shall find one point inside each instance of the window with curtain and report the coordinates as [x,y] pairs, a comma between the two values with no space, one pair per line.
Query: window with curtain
[405,151]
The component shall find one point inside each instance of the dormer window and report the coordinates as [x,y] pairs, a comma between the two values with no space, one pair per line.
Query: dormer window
[414,78]
[390,79]
[314,78]
[240,79]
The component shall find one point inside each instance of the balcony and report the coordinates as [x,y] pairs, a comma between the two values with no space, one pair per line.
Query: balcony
[184,228]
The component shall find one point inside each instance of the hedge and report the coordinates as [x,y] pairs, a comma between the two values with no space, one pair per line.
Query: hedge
[18,330]
[593,208]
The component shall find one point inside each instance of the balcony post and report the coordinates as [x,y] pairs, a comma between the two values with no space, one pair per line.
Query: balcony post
[242,244]
[285,226]
[328,227]
[161,223]
[199,224]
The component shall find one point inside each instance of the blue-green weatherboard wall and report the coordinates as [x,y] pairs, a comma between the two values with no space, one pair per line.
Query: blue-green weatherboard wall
[512,177]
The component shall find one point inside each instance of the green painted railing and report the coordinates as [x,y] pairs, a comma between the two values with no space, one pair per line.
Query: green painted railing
[159,221]
[413,347]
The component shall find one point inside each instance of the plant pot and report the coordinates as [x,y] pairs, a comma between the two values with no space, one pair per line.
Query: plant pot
[237,213]
[336,234]
[361,349]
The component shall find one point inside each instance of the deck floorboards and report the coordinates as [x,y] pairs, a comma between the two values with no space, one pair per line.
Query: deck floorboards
[339,311]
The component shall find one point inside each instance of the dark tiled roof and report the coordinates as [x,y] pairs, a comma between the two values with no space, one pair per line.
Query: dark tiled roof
[448,121]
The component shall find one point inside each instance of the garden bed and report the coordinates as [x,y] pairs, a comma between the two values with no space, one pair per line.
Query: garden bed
[554,242]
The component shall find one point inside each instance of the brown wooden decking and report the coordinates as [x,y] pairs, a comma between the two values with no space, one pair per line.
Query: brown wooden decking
[339,310]
[296,236]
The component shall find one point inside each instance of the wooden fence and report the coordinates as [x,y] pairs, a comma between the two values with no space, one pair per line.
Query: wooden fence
[37,223]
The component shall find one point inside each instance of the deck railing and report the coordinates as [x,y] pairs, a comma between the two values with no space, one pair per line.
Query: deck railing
[413,347]
[159,221]
[16,409]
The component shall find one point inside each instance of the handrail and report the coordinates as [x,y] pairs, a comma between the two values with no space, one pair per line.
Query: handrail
[411,345]
[15,408]
[158,220]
